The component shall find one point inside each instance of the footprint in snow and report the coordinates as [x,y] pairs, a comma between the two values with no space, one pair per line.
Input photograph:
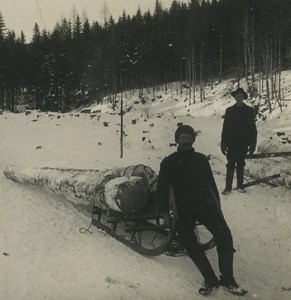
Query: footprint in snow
[111,280]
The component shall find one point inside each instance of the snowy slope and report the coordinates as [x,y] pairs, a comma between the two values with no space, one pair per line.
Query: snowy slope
[43,254]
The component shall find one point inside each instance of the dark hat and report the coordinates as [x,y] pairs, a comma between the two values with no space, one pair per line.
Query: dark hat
[239,91]
[184,129]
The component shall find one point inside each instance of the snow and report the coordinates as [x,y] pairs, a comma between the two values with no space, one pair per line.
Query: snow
[44,255]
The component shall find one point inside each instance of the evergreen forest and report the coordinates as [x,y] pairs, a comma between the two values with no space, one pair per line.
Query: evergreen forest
[194,43]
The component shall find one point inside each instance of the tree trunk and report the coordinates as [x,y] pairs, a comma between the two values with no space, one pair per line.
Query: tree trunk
[246,45]
[220,59]
[193,75]
[252,60]
[279,65]
[271,69]
[121,126]
[201,73]
[266,62]
[189,73]
[120,189]
[238,59]
[2,96]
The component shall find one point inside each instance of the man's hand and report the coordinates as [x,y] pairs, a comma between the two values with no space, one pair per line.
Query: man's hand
[252,149]
[223,148]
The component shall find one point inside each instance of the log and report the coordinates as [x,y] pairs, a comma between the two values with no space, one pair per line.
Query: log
[284,174]
[261,180]
[149,176]
[119,189]
[269,155]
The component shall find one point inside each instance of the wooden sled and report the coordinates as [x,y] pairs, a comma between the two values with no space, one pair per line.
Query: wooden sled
[148,232]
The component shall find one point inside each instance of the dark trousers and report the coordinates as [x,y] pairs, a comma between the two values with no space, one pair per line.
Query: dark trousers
[214,221]
[236,156]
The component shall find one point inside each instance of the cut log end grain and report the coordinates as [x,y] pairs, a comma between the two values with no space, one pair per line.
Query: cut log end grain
[127,193]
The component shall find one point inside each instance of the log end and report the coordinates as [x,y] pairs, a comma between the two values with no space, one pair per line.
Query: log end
[132,197]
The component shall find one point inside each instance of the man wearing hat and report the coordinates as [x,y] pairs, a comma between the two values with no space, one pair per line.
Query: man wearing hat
[197,198]
[239,137]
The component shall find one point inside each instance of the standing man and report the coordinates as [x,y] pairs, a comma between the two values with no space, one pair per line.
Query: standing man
[197,199]
[239,137]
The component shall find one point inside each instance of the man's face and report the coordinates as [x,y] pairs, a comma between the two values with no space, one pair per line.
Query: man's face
[185,141]
[239,98]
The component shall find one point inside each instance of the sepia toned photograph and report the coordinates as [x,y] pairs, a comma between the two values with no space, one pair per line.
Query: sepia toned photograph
[145,149]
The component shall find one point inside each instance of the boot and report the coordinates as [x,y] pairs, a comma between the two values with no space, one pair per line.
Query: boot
[226,279]
[207,288]
[231,286]
[241,190]
[226,191]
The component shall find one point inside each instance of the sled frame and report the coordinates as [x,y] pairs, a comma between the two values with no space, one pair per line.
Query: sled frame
[135,224]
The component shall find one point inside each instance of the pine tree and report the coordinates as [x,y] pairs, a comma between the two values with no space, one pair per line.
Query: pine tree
[2,28]
[22,39]
[36,34]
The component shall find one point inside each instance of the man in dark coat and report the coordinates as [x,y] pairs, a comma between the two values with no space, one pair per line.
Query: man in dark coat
[239,137]
[197,198]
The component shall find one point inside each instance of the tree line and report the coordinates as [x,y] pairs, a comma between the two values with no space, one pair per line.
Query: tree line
[81,61]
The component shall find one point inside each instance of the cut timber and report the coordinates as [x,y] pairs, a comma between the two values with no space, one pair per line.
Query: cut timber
[269,155]
[118,189]
[285,175]
[261,180]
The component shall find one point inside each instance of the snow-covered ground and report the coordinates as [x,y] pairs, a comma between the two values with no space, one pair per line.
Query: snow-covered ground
[43,254]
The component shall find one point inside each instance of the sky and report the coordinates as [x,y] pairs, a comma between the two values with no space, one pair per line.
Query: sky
[23,14]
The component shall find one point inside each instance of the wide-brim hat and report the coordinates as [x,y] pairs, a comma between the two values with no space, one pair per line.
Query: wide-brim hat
[239,91]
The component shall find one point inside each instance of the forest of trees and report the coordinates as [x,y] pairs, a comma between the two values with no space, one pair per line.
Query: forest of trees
[79,62]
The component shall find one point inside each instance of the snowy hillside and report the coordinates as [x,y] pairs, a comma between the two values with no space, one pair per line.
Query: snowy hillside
[44,256]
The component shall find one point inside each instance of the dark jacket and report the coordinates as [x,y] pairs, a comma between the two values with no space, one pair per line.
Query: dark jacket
[239,126]
[190,174]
